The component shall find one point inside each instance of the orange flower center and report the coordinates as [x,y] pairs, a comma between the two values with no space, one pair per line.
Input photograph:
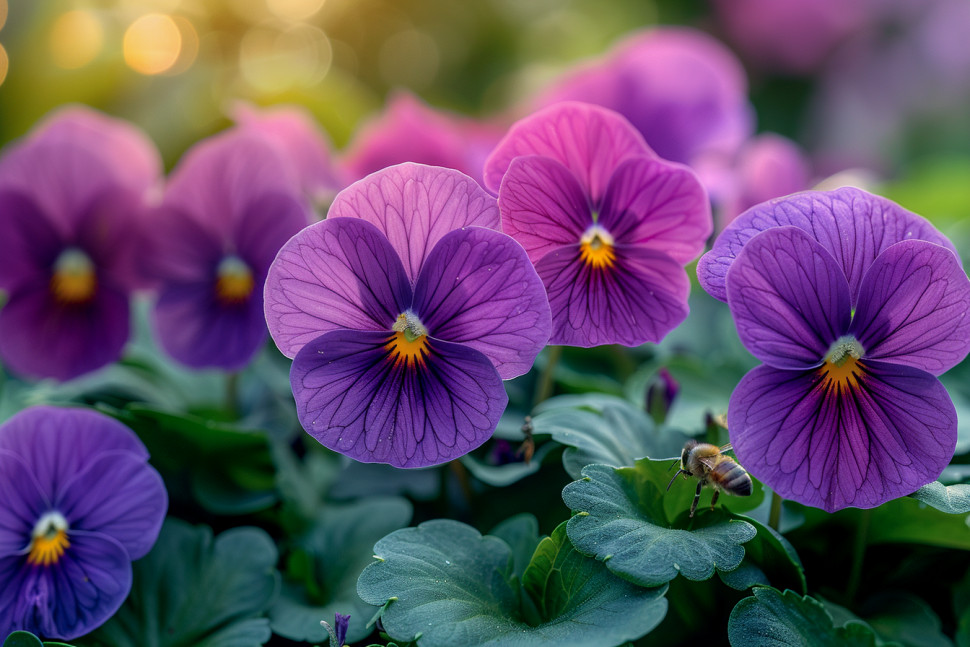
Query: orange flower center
[596,248]
[74,281]
[409,345]
[49,540]
[234,281]
[842,366]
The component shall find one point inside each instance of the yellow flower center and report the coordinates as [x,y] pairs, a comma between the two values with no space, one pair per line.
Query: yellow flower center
[49,540]
[74,281]
[234,281]
[409,345]
[596,248]
[842,366]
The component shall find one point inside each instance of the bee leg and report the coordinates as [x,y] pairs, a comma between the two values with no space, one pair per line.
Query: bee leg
[697,497]
[714,498]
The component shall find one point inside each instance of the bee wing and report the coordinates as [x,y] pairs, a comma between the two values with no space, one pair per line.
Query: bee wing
[726,448]
[710,462]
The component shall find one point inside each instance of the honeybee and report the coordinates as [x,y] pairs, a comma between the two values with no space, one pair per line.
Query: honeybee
[709,464]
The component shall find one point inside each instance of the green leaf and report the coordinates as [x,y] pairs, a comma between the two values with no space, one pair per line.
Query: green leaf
[446,584]
[335,552]
[908,520]
[774,557]
[193,591]
[521,533]
[505,475]
[622,517]
[27,639]
[770,618]
[904,618]
[953,499]
[230,470]
[603,429]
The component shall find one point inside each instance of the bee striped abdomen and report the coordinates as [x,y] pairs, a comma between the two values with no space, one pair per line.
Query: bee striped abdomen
[732,478]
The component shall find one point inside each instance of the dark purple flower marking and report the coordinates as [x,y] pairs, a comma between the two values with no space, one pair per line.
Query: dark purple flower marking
[229,206]
[80,503]
[853,226]
[846,410]
[608,225]
[71,201]
[403,320]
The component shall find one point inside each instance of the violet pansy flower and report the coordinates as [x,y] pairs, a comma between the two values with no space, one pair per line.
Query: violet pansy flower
[846,409]
[72,195]
[403,312]
[229,206]
[79,504]
[608,225]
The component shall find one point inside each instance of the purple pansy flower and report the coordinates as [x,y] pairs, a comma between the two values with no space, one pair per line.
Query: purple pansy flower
[846,409]
[404,312]
[681,88]
[72,196]
[607,223]
[853,225]
[79,504]
[229,206]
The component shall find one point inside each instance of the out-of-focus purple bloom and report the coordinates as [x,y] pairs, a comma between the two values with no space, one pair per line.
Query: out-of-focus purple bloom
[301,142]
[608,225]
[683,90]
[767,166]
[72,196]
[789,36]
[852,225]
[411,131]
[80,503]
[403,314]
[661,394]
[229,206]
[846,409]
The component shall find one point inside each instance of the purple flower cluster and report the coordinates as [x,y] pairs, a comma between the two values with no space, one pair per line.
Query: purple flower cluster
[403,312]
[79,504]
[855,306]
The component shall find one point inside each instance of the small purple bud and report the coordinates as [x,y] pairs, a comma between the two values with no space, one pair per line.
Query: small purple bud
[661,394]
[337,631]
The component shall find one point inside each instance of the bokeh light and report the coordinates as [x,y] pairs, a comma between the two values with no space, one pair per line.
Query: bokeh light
[76,38]
[4,64]
[294,9]
[152,44]
[410,58]
[3,13]
[273,61]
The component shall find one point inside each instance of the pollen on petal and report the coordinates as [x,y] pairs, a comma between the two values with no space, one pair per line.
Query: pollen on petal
[73,281]
[596,248]
[234,281]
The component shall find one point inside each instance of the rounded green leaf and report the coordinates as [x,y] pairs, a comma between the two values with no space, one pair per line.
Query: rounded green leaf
[621,516]
[448,585]
[27,639]
[770,618]
[954,499]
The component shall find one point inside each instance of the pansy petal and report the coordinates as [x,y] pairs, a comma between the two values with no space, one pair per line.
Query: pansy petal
[913,308]
[543,207]
[29,242]
[13,575]
[352,398]
[414,206]
[264,227]
[23,503]
[120,495]
[335,274]
[640,298]
[789,298]
[479,289]
[588,140]
[832,447]
[852,225]
[57,442]
[198,330]
[659,204]
[75,339]
[177,247]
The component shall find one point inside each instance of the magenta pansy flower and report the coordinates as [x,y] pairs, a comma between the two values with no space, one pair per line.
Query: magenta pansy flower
[80,502]
[403,312]
[683,90]
[846,409]
[292,129]
[411,131]
[229,206]
[608,225]
[72,196]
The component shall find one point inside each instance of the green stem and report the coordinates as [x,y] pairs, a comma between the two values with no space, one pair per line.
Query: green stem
[858,555]
[546,379]
[774,516]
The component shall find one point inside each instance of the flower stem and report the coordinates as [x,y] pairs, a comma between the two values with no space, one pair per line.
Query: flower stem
[774,515]
[544,388]
[232,394]
[858,555]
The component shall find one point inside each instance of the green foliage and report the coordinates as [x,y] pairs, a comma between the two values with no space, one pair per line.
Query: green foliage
[446,584]
[326,563]
[622,517]
[770,618]
[953,499]
[195,591]
[27,639]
